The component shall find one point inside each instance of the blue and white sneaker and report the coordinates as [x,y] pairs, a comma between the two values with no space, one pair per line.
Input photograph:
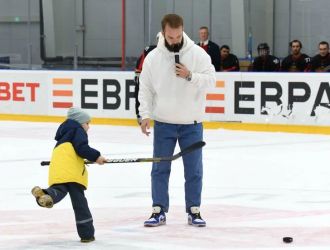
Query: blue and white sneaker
[194,218]
[157,218]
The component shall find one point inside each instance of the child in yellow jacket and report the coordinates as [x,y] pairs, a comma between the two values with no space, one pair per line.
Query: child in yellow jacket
[67,171]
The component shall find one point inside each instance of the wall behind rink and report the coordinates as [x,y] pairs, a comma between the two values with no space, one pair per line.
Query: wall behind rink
[289,100]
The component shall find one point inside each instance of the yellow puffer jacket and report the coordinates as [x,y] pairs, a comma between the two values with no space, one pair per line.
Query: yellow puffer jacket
[67,166]
[67,163]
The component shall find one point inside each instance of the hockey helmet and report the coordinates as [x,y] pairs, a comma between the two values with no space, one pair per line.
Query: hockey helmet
[263,49]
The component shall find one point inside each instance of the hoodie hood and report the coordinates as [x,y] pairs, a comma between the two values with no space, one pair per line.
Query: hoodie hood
[187,44]
[66,127]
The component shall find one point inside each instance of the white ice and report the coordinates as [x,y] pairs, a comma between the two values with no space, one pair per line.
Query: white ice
[258,188]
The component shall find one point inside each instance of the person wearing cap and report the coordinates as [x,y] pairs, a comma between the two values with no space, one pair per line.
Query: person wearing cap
[67,171]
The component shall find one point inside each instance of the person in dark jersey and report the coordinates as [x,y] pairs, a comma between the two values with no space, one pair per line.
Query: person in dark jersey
[321,62]
[265,62]
[296,61]
[228,61]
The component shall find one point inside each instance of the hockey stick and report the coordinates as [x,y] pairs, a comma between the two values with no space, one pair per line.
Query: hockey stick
[187,150]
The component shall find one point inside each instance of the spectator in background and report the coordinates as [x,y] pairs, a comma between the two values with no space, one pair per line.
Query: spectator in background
[210,47]
[265,62]
[321,62]
[296,62]
[138,69]
[228,62]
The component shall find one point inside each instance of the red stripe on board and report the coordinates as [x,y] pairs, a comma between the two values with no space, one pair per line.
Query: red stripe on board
[215,110]
[62,104]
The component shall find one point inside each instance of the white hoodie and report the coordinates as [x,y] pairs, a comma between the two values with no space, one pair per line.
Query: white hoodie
[168,98]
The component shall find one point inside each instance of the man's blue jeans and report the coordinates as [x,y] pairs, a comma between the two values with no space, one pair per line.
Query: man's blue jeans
[165,137]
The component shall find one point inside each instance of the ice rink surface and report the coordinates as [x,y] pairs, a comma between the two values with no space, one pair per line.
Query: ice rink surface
[258,188]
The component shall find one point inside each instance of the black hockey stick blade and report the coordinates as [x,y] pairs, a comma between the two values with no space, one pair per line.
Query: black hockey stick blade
[187,150]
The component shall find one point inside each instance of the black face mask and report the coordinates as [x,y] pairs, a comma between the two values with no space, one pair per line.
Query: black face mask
[174,47]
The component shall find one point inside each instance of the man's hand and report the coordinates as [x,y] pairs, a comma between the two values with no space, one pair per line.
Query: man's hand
[145,126]
[139,120]
[181,70]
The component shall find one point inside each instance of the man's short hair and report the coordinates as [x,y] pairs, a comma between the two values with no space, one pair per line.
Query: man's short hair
[204,28]
[324,43]
[295,41]
[172,20]
[224,47]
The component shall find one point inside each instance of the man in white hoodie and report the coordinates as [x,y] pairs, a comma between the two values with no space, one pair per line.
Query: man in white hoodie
[173,94]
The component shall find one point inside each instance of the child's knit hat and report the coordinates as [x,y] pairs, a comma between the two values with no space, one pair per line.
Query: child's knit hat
[78,115]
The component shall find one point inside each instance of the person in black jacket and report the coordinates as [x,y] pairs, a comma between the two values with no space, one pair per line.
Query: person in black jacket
[228,62]
[265,62]
[321,62]
[210,47]
[138,69]
[297,61]
[67,171]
